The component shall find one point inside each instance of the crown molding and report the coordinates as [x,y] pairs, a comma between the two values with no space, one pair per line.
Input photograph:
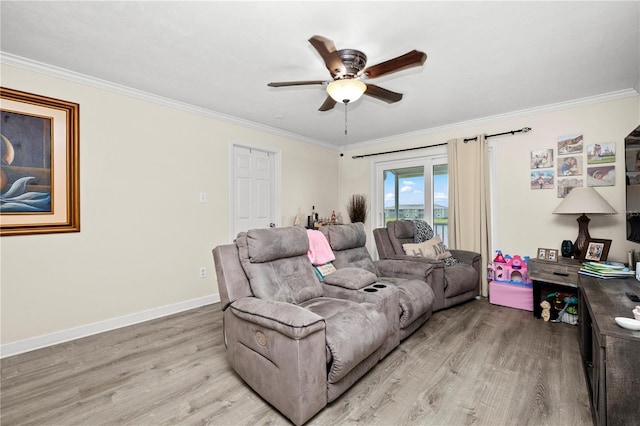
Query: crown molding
[75,77]
[610,96]
[35,66]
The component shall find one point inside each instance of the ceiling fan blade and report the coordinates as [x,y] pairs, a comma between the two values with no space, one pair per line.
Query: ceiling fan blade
[328,104]
[295,83]
[383,94]
[327,50]
[411,59]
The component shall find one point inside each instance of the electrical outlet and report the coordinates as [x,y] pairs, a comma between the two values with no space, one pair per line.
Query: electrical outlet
[203,197]
[203,272]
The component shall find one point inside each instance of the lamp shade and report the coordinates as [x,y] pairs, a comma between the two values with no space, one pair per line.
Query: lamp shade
[346,90]
[584,200]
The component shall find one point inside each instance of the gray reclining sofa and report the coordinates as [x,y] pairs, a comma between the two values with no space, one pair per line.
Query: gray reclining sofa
[300,343]
[451,284]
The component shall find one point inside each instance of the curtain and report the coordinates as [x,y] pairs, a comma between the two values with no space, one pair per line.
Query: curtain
[469,202]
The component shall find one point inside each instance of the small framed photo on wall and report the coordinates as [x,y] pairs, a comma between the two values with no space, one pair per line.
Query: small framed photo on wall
[566,185]
[542,159]
[570,144]
[542,179]
[598,153]
[601,176]
[570,166]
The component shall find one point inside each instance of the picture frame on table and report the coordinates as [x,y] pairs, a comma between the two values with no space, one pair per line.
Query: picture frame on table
[595,250]
[39,174]
[542,254]
[547,254]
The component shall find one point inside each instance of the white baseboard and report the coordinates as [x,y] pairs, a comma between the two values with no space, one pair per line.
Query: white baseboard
[33,343]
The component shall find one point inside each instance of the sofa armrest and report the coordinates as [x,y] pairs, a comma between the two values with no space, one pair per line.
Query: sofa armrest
[466,256]
[410,267]
[351,278]
[291,320]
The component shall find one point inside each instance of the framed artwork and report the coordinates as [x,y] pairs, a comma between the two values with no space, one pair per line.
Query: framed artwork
[601,176]
[595,250]
[601,153]
[39,171]
[542,179]
[550,255]
[570,166]
[566,185]
[542,159]
[570,144]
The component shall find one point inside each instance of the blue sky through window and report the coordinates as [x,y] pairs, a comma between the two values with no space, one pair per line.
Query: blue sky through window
[411,190]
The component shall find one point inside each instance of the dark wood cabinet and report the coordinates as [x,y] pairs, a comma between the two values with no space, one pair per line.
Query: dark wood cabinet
[610,353]
[560,276]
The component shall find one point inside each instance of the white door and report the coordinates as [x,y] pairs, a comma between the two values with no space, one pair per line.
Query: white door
[254,189]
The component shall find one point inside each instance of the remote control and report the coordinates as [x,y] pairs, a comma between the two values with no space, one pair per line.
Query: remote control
[634,297]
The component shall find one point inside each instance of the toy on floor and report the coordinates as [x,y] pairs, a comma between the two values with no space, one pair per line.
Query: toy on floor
[546,310]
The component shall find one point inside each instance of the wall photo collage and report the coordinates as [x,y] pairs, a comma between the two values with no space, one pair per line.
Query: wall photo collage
[574,165]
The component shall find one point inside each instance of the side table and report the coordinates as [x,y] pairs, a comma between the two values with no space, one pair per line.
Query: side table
[561,276]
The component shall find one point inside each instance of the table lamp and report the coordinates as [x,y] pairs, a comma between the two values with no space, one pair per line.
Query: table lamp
[582,201]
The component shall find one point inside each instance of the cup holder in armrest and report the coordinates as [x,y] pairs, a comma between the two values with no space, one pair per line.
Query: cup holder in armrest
[370,290]
[380,286]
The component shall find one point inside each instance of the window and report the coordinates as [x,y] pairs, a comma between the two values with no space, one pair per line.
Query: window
[416,188]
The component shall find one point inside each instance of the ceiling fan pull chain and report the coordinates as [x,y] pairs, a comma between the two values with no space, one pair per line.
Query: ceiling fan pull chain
[346,106]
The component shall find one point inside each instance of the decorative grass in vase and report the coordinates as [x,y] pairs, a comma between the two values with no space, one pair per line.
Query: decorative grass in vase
[357,208]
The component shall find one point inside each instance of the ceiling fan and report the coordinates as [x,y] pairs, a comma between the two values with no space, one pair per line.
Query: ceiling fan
[347,68]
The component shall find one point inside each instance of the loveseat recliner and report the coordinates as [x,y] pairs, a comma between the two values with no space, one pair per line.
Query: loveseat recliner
[415,295]
[451,284]
[294,346]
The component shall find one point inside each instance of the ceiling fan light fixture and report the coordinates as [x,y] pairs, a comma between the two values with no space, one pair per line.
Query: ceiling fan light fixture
[346,90]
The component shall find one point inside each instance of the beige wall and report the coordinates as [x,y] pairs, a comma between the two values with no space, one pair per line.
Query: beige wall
[144,233]
[524,218]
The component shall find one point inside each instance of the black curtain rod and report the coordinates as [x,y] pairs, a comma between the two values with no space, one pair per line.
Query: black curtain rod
[510,132]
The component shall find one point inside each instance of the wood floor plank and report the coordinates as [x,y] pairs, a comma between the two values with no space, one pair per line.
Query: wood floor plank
[476,363]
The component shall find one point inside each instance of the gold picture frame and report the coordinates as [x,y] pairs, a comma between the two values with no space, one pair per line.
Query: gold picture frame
[40,170]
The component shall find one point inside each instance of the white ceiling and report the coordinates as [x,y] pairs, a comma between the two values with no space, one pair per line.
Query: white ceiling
[484,58]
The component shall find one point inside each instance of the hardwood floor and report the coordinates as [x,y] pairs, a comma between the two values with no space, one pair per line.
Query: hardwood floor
[475,364]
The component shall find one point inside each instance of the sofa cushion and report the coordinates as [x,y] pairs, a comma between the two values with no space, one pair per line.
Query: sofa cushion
[276,243]
[351,278]
[353,332]
[415,296]
[401,229]
[287,277]
[345,236]
[433,249]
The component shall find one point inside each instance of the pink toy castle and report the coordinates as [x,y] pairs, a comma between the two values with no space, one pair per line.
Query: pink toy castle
[507,269]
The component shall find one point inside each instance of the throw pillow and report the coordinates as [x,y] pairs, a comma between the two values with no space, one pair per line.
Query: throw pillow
[433,248]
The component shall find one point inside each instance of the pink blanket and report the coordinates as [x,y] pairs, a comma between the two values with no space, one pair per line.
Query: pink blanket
[319,249]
